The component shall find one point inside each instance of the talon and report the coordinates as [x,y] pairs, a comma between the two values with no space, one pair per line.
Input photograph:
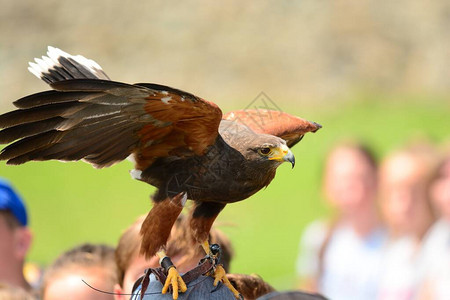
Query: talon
[174,279]
[219,272]
[221,276]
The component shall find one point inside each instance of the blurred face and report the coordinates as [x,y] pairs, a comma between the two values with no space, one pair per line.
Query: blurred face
[7,245]
[70,286]
[135,270]
[350,181]
[404,195]
[14,246]
[440,191]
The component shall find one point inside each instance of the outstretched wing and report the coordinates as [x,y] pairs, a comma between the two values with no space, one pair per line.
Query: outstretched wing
[103,122]
[286,126]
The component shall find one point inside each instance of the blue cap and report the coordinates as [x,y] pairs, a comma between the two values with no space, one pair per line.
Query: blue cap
[11,201]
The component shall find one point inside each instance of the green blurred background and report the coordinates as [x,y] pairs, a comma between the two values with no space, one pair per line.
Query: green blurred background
[374,70]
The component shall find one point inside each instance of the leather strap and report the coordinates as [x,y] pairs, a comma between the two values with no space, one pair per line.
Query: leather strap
[205,266]
[145,281]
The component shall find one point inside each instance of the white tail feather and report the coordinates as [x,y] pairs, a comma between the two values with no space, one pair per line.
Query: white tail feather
[42,66]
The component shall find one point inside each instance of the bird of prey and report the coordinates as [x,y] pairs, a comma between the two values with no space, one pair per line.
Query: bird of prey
[179,143]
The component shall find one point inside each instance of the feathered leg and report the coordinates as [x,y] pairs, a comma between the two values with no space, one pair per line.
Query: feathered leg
[201,222]
[155,232]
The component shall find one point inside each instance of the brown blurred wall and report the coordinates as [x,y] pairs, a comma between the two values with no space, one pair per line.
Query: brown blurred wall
[229,51]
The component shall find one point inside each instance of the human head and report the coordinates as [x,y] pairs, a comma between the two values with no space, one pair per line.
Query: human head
[250,286]
[15,236]
[93,264]
[404,190]
[440,188]
[184,254]
[350,178]
[292,295]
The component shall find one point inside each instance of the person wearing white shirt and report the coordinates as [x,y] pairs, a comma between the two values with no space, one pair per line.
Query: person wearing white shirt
[434,277]
[341,258]
[406,209]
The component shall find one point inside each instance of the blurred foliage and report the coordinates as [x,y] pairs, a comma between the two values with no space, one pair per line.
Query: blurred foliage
[378,71]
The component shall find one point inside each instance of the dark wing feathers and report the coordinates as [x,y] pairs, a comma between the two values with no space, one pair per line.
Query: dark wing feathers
[278,123]
[69,148]
[106,99]
[112,87]
[30,144]
[48,97]
[23,116]
[75,69]
[159,87]
[103,122]
[28,129]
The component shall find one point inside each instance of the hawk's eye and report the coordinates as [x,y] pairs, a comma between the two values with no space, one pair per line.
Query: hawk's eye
[264,151]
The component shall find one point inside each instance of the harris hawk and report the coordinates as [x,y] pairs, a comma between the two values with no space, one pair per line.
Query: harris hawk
[179,143]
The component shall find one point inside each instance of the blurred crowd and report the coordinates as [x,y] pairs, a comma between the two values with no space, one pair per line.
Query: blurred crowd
[389,238]
[390,235]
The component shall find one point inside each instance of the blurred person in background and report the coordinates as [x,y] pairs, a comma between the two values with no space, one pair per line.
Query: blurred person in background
[404,198]
[91,263]
[9,292]
[131,265]
[15,237]
[340,258]
[434,277]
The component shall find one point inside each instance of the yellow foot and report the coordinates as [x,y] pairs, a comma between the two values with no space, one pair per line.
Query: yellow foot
[221,275]
[174,279]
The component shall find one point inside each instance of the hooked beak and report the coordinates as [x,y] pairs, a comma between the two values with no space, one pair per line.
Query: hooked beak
[290,158]
[283,154]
